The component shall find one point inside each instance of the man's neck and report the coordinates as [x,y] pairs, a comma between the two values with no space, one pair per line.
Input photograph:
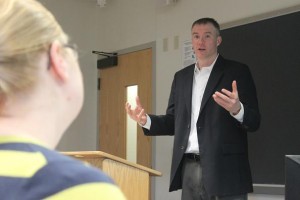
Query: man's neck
[206,62]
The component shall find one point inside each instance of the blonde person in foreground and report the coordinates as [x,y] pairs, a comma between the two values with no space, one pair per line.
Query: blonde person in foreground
[41,93]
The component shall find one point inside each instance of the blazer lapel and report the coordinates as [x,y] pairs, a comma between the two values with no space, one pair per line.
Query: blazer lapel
[212,82]
[188,87]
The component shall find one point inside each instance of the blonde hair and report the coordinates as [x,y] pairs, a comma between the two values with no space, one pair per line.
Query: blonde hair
[27,30]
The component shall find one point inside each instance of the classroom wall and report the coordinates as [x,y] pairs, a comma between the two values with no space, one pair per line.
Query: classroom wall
[125,24]
[79,18]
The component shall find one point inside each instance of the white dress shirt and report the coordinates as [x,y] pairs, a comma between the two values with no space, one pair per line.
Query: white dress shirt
[199,84]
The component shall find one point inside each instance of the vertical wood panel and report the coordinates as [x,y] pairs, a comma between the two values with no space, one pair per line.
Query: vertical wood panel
[123,175]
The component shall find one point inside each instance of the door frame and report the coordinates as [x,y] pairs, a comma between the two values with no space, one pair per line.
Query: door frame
[152,46]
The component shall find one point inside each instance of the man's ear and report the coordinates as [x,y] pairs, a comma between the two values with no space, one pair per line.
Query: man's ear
[219,40]
[57,62]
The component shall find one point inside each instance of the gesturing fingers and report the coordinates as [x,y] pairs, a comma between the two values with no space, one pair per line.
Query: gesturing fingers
[129,111]
[234,93]
[228,100]
[227,93]
[234,88]
[137,113]
[138,102]
[222,100]
[142,117]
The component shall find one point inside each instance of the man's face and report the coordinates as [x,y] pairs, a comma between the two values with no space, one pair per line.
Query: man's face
[205,41]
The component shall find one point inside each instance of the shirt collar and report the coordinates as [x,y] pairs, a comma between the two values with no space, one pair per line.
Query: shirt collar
[208,68]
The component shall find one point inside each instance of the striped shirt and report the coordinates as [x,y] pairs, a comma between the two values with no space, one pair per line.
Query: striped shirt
[29,171]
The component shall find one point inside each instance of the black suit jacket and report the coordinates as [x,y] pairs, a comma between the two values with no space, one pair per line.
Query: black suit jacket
[222,139]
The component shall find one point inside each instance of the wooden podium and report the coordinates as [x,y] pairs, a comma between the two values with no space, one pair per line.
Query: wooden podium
[133,179]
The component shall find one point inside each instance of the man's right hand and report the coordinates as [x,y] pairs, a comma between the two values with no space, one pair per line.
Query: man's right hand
[138,113]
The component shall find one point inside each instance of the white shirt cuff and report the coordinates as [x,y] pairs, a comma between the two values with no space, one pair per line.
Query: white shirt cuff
[240,115]
[148,123]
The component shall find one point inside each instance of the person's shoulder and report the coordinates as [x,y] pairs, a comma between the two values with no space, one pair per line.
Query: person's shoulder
[74,179]
[67,176]
[186,69]
[234,68]
[232,63]
[73,169]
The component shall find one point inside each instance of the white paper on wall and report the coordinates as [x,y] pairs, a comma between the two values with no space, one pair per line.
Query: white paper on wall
[188,55]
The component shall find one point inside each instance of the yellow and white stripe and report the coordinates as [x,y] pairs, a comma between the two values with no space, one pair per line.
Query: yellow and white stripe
[20,164]
[90,191]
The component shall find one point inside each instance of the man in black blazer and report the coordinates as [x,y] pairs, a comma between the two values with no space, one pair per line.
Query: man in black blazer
[211,108]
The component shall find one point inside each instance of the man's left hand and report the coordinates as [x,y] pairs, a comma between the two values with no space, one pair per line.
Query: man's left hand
[229,100]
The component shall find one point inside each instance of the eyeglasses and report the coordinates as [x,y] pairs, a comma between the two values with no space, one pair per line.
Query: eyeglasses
[74,47]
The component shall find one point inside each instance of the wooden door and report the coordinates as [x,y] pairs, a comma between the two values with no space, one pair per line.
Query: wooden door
[133,69]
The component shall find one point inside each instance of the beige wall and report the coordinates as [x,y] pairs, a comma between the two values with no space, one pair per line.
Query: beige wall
[124,24]
[79,18]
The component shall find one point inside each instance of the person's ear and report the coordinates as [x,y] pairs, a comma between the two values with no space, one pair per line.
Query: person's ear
[57,62]
[219,40]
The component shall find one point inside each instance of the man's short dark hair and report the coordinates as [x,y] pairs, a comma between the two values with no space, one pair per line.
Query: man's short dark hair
[208,20]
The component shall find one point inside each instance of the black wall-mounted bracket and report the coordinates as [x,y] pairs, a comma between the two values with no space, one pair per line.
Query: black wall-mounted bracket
[109,60]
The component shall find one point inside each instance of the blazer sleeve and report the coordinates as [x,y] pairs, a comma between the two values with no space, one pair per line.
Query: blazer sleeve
[248,96]
[164,124]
